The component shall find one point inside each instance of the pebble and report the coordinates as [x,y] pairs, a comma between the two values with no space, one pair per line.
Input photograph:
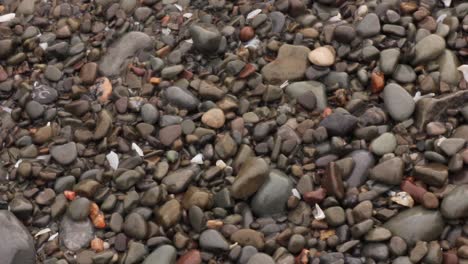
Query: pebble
[455,205]
[385,143]
[252,175]
[20,246]
[428,48]
[112,63]
[416,224]
[369,26]
[206,37]
[389,171]
[264,203]
[181,98]
[76,235]
[212,240]
[322,56]
[289,65]
[78,209]
[165,254]
[214,118]
[398,102]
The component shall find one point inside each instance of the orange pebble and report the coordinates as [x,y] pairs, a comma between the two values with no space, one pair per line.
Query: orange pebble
[97,244]
[70,195]
[378,82]
[99,221]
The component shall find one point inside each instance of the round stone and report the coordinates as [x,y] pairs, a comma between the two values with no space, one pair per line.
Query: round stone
[322,56]
[214,118]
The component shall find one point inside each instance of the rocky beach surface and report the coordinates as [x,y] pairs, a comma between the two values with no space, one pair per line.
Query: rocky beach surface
[233,132]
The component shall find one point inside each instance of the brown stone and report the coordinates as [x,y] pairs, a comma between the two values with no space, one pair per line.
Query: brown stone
[169,134]
[88,73]
[191,257]
[333,183]
[315,196]
[249,237]
[246,33]
[214,118]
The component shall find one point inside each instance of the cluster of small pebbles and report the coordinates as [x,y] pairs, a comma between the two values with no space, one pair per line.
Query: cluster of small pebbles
[243,132]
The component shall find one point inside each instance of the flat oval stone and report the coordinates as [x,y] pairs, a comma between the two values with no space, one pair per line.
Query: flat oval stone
[455,204]
[398,102]
[271,198]
[416,224]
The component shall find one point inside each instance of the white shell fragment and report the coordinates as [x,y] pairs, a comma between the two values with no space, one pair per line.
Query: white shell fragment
[464,70]
[253,13]
[52,237]
[441,18]
[188,15]
[198,159]
[296,193]
[43,231]
[403,198]
[18,163]
[6,109]
[318,213]
[447,3]
[283,85]
[178,7]
[418,96]
[113,159]
[7,17]
[43,45]
[137,149]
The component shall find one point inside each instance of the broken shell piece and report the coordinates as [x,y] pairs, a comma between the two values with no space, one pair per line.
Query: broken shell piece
[284,84]
[52,237]
[43,45]
[43,231]
[464,70]
[178,7]
[296,193]
[188,15]
[447,2]
[441,18]
[198,159]
[254,13]
[6,109]
[137,149]
[418,96]
[318,213]
[7,17]
[403,198]
[113,160]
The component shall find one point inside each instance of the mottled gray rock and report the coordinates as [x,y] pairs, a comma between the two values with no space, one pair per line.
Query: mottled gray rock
[129,45]
[76,235]
[18,245]
[271,198]
[455,203]
[416,224]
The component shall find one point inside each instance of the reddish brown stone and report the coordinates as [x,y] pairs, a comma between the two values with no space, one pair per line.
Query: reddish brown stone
[315,196]
[3,74]
[246,33]
[247,71]
[169,134]
[191,257]
[333,182]
[450,258]
[412,189]
[378,82]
